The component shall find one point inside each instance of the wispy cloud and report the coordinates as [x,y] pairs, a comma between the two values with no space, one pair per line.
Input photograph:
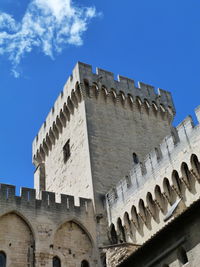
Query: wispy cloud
[47,24]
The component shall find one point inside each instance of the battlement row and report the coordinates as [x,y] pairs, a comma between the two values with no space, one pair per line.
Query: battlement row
[84,83]
[28,198]
[127,85]
[147,169]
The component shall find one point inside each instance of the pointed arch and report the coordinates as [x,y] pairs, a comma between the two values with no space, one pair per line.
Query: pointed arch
[195,165]
[103,92]
[72,235]
[62,118]
[138,102]
[142,210]
[167,188]
[66,111]
[134,216]
[130,100]
[113,95]
[185,174]
[146,105]
[127,221]
[78,92]
[162,108]
[70,105]
[59,124]
[151,204]
[16,228]
[177,182]
[74,99]
[158,197]
[154,107]
[79,224]
[23,218]
[113,234]
[120,229]
[122,97]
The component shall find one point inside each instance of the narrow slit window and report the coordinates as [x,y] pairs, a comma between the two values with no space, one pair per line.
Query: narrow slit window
[135,158]
[66,151]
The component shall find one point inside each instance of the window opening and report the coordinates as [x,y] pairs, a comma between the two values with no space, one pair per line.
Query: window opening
[135,158]
[85,263]
[66,151]
[56,262]
[2,259]
[158,155]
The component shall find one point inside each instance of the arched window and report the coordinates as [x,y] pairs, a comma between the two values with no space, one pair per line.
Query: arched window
[2,259]
[56,262]
[135,159]
[85,263]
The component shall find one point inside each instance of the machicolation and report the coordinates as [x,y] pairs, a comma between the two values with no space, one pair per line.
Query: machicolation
[155,185]
[83,83]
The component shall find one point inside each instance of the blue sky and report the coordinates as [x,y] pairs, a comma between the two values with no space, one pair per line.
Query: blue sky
[156,42]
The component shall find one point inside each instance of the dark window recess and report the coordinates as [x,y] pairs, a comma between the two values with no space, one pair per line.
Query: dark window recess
[85,264]
[66,151]
[56,262]
[2,259]
[135,159]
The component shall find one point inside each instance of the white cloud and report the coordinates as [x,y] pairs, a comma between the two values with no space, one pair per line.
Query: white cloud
[47,24]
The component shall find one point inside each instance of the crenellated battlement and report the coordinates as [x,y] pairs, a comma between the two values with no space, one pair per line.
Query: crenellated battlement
[27,199]
[162,156]
[159,188]
[82,84]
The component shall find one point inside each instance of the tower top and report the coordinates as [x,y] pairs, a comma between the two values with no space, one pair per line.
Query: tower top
[74,92]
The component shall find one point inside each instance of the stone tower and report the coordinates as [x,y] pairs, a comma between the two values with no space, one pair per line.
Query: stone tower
[97,129]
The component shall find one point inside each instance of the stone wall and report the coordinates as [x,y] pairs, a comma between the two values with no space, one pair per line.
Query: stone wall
[46,229]
[116,130]
[117,118]
[105,122]
[177,244]
[116,254]
[72,177]
[139,203]
[16,240]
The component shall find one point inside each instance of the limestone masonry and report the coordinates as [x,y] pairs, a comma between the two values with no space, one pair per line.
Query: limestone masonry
[110,173]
